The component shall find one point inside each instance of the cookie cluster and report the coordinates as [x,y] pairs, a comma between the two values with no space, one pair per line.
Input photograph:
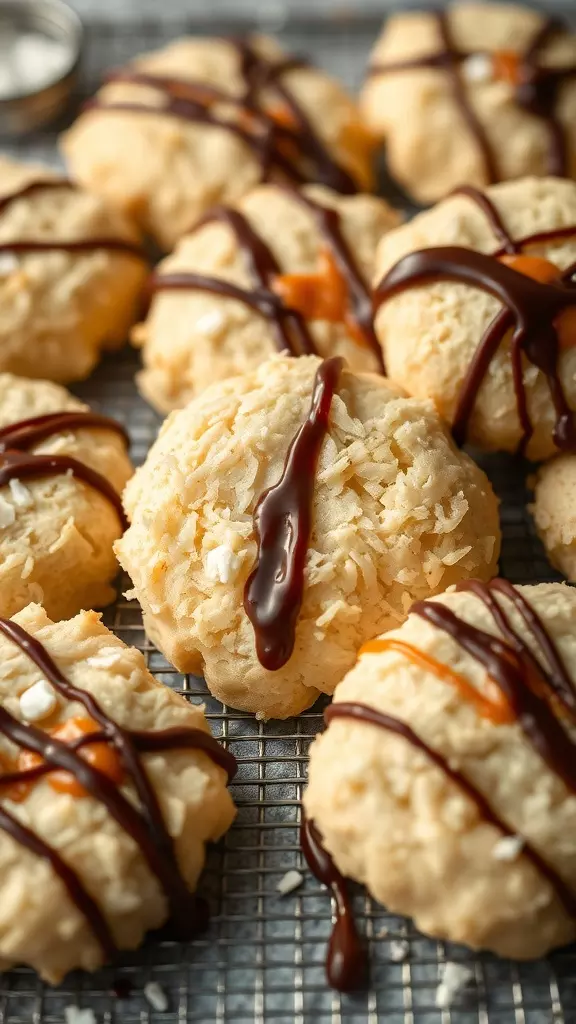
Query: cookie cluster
[307,522]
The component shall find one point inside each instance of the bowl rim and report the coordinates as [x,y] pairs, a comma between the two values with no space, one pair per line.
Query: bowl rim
[72,33]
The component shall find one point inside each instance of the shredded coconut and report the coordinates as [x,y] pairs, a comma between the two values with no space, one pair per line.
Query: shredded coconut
[7,513]
[221,564]
[74,1015]
[38,701]
[478,68]
[105,658]
[508,848]
[289,882]
[20,494]
[455,978]
[8,263]
[156,996]
[399,950]
[211,323]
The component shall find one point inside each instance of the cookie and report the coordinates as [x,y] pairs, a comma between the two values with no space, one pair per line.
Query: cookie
[62,470]
[285,270]
[445,781]
[287,515]
[101,839]
[479,93]
[476,310]
[203,121]
[554,513]
[71,272]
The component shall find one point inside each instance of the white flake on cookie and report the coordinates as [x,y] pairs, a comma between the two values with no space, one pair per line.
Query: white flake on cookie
[38,701]
[221,564]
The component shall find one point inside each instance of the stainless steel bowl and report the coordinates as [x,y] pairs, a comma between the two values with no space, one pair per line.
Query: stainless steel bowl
[25,111]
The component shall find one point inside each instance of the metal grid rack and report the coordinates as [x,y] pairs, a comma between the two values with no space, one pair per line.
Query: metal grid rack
[263,956]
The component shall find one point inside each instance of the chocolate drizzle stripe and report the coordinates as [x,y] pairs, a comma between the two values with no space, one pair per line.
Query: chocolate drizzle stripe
[145,825]
[283,524]
[530,307]
[370,716]
[25,433]
[509,245]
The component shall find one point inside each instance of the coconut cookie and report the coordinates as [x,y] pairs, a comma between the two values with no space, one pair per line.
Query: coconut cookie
[203,121]
[284,270]
[71,271]
[554,512]
[289,514]
[473,95]
[446,779]
[62,470]
[476,309]
[110,786]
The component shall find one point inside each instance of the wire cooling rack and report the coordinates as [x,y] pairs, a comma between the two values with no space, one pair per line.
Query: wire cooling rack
[263,956]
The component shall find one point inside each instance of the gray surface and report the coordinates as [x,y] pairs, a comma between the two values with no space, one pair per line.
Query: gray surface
[263,956]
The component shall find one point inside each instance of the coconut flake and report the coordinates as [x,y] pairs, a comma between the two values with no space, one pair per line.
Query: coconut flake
[7,513]
[508,848]
[399,950]
[221,564]
[38,701]
[211,323]
[74,1015]
[478,68]
[289,882]
[20,494]
[105,658]
[156,996]
[455,978]
[8,263]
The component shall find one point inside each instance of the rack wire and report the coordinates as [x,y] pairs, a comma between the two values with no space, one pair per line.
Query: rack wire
[262,958]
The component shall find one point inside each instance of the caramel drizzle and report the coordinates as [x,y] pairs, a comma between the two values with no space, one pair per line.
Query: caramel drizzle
[17,463]
[536,92]
[283,524]
[291,331]
[530,307]
[192,101]
[30,245]
[144,825]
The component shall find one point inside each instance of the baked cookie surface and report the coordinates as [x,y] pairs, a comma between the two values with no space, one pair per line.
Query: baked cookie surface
[554,511]
[62,470]
[476,311]
[303,262]
[100,840]
[203,121]
[481,93]
[445,781]
[71,271]
[333,483]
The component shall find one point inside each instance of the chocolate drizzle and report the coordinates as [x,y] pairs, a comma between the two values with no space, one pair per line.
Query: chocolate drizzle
[530,307]
[291,331]
[30,245]
[536,92]
[295,150]
[283,524]
[144,824]
[17,463]
[346,960]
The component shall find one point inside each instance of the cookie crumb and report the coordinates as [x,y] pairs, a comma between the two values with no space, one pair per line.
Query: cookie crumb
[455,978]
[399,950]
[508,848]
[290,881]
[221,564]
[156,996]
[74,1015]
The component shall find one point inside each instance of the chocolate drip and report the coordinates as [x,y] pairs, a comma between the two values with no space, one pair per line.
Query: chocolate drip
[509,245]
[346,960]
[363,713]
[22,435]
[537,91]
[144,825]
[283,524]
[290,329]
[15,465]
[192,101]
[530,307]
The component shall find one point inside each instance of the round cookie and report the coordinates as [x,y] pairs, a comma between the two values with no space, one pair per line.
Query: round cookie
[481,93]
[445,278]
[57,525]
[109,841]
[445,781]
[333,484]
[202,121]
[310,251]
[554,512]
[71,271]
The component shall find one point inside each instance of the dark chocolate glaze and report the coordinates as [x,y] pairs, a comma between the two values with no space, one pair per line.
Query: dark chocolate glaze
[509,245]
[15,465]
[145,825]
[529,307]
[283,524]
[537,91]
[192,101]
[78,245]
[346,959]
[22,435]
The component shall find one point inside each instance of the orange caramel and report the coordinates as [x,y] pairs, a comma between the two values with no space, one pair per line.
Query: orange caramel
[544,271]
[317,296]
[497,709]
[507,66]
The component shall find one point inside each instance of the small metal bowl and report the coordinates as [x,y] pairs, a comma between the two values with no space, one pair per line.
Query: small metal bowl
[25,111]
